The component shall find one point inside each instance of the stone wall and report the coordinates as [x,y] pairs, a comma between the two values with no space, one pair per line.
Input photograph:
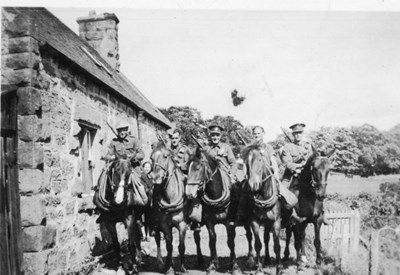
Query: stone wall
[55,98]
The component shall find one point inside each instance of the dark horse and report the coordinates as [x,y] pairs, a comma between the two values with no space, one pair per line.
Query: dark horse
[169,203]
[208,181]
[116,205]
[312,188]
[263,206]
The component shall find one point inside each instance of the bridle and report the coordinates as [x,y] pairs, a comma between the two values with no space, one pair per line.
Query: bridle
[167,176]
[268,203]
[315,185]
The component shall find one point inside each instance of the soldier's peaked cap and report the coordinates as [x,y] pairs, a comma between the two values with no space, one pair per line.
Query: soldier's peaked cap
[215,128]
[121,124]
[297,128]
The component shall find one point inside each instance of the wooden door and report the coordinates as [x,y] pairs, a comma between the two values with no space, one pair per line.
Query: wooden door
[10,217]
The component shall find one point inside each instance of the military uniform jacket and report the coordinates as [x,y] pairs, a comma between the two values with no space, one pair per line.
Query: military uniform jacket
[181,154]
[226,157]
[292,155]
[129,146]
[266,150]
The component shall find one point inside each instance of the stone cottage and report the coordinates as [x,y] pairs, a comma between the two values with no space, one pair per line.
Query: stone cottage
[58,92]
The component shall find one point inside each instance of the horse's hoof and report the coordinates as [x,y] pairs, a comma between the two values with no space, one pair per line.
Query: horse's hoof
[160,264]
[183,270]
[201,263]
[304,259]
[211,270]
[259,271]
[120,271]
[134,270]
[170,271]
[236,269]
[250,262]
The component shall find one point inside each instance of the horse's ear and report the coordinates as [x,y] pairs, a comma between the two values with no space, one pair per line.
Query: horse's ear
[160,138]
[331,152]
[315,152]
[198,151]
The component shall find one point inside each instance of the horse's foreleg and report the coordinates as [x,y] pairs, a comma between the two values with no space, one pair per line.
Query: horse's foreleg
[168,240]
[213,251]
[277,245]
[200,259]
[267,229]
[303,243]
[288,232]
[299,237]
[231,232]
[131,226]
[250,261]
[157,237]
[182,236]
[110,226]
[257,243]
[317,241]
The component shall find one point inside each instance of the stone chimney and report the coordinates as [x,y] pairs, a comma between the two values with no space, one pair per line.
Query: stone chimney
[101,32]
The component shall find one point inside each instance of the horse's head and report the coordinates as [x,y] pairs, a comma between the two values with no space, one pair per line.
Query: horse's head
[163,164]
[121,171]
[199,173]
[256,167]
[318,167]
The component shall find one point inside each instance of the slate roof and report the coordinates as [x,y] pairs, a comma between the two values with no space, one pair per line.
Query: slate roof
[47,28]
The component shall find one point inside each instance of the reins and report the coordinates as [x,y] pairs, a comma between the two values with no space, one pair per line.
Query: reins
[314,185]
[179,203]
[271,201]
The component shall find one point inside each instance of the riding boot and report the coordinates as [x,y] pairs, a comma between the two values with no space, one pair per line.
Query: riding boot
[295,217]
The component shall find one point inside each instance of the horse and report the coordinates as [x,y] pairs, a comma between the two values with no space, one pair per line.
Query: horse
[313,181]
[207,182]
[114,199]
[264,207]
[169,203]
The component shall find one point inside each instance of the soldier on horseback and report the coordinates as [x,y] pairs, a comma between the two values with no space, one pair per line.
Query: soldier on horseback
[294,156]
[221,151]
[181,154]
[125,145]
[269,154]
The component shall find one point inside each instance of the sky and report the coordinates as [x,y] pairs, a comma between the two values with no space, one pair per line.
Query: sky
[328,65]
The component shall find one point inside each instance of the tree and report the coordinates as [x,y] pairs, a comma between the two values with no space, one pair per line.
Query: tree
[345,157]
[188,120]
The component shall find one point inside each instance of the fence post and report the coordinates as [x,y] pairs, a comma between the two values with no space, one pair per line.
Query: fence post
[373,253]
[356,232]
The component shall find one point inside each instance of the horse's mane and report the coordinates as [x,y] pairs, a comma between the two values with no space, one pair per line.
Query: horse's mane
[246,150]
[197,155]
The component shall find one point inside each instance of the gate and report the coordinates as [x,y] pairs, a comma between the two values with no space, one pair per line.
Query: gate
[344,231]
[10,220]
